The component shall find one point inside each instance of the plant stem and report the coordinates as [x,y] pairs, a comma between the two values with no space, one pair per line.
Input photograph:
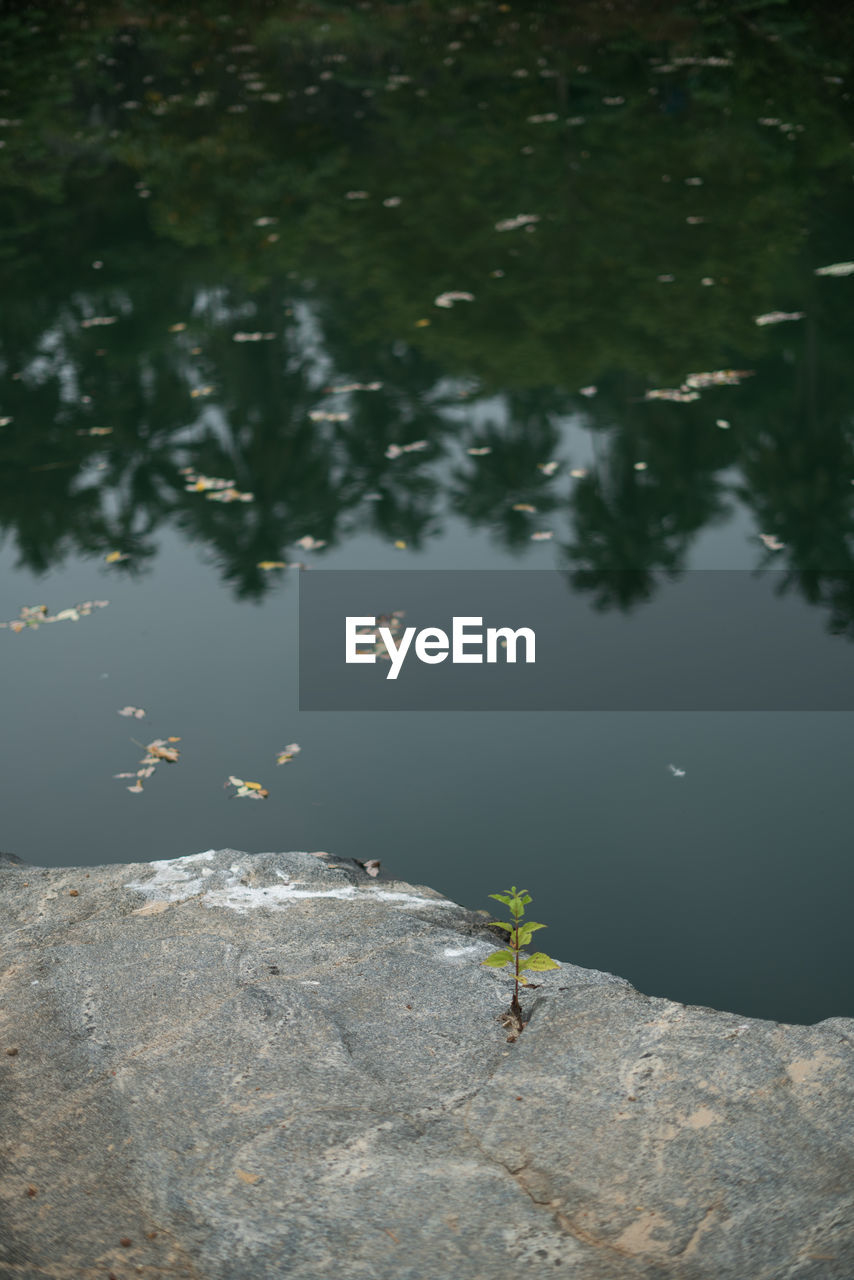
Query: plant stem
[515,1007]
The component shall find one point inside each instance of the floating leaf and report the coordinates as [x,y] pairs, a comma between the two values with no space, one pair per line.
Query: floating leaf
[267,565]
[247,790]
[451,296]
[521,220]
[287,753]
[836,269]
[214,488]
[675,394]
[136,712]
[777,317]
[33,616]
[716,378]
[113,557]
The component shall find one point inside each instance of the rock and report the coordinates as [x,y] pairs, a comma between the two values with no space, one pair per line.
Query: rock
[236,1067]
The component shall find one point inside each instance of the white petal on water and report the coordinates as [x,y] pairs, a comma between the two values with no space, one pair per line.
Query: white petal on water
[836,269]
[521,220]
[777,317]
[451,296]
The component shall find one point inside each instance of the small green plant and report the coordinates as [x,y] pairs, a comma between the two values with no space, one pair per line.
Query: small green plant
[516,900]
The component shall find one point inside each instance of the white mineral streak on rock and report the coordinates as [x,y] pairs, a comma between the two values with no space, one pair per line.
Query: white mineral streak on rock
[172,882]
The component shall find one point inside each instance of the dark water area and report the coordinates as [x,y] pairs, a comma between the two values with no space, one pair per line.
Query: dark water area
[426,286]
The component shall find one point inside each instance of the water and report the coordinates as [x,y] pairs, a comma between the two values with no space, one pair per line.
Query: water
[198,179]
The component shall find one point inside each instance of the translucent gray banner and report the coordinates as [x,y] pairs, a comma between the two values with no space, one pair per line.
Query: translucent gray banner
[539,640]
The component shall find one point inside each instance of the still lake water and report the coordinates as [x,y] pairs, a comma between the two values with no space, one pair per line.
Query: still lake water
[209,221]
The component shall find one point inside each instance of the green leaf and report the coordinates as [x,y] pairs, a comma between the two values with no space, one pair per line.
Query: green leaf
[525,897]
[516,908]
[526,930]
[498,958]
[502,924]
[539,962]
[502,897]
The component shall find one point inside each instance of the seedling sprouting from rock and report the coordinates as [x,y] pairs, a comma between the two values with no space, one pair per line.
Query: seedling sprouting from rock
[520,935]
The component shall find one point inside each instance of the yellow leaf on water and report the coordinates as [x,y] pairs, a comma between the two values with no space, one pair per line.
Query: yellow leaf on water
[266,565]
[421,324]
[400,545]
[113,557]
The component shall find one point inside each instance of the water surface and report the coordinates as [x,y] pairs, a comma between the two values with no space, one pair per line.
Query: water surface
[212,224]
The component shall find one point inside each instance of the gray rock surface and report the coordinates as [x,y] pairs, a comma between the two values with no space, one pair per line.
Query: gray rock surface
[262,1066]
